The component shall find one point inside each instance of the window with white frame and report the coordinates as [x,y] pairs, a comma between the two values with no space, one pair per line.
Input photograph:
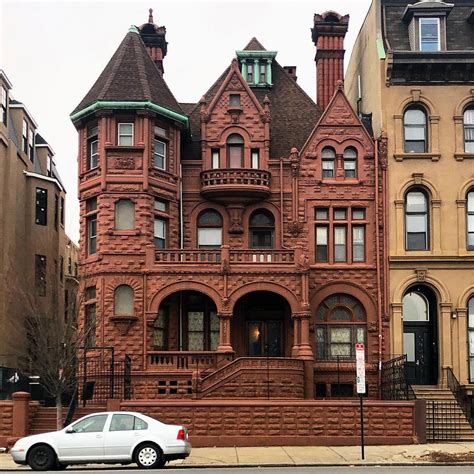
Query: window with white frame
[91,225]
[125,134]
[350,162]
[415,130]
[209,230]
[25,136]
[470,220]
[416,220]
[328,162]
[31,144]
[429,34]
[469,130]
[92,146]
[160,233]
[215,158]
[255,154]
[159,154]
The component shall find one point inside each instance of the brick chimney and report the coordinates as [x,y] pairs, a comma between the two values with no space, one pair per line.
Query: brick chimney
[328,34]
[154,37]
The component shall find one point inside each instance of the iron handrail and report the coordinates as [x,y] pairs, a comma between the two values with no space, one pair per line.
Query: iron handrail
[394,382]
[459,393]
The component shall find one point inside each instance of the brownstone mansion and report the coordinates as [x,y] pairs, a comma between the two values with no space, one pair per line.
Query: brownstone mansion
[233,248]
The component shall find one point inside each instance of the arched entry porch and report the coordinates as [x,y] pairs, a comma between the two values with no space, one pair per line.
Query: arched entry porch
[261,325]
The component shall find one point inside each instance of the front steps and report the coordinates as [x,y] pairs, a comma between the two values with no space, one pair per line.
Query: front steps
[452,416]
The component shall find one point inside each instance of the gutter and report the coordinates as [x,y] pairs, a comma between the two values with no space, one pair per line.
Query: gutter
[30,174]
[127,105]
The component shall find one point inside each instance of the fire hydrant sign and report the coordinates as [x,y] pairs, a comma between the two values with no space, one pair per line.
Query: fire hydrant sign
[360,367]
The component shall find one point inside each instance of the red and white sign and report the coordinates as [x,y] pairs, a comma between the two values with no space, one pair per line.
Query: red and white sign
[360,367]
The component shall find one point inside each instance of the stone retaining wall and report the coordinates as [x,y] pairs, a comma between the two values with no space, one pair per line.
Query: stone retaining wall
[6,421]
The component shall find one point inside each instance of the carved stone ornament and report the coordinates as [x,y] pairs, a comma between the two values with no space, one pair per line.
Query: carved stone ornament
[235,214]
[302,264]
[225,267]
[295,228]
[421,274]
[124,323]
[295,162]
[125,162]
[235,83]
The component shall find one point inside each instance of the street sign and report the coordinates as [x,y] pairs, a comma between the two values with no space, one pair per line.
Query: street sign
[360,367]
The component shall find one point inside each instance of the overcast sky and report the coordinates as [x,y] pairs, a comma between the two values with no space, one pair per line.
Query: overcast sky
[53,52]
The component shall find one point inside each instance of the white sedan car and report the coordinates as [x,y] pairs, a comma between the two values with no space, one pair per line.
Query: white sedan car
[112,437]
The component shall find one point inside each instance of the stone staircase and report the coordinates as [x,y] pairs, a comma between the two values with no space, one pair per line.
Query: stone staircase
[449,423]
[44,419]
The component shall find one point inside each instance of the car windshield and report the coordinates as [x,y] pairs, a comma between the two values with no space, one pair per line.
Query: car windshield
[91,424]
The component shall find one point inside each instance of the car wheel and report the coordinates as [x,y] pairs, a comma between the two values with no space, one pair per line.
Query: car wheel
[149,456]
[41,458]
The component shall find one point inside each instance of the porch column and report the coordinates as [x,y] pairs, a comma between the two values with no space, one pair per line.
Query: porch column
[296,336]
[396,328]
[224,333]
[305,351]
[444,348]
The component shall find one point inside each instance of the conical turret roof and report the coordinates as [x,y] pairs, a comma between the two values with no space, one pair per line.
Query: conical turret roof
[131,75]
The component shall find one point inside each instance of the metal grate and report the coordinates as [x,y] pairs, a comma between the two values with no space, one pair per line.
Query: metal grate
[443,420]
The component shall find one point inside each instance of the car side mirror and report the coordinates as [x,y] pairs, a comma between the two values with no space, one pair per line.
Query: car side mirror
[70,430]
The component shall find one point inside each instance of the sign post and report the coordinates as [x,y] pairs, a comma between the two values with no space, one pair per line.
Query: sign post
[360,372]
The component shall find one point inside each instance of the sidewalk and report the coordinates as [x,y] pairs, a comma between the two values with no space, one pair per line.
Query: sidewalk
[440,453]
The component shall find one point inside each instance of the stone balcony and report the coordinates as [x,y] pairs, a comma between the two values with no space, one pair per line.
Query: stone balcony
[235,185]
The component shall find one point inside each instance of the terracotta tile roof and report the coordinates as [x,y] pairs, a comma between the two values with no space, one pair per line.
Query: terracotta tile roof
[293,114]
[131,75]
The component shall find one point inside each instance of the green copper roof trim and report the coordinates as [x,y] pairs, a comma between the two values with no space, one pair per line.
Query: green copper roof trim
[380,48]
[133,29]
[146,104]
[256,54]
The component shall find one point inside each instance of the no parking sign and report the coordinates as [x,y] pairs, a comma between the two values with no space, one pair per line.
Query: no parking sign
[360,367]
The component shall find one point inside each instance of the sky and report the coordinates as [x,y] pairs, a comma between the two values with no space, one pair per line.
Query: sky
[53,52]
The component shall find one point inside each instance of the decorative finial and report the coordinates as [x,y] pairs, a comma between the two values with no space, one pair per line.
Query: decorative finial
[150,16]
[340,85]
[266,100]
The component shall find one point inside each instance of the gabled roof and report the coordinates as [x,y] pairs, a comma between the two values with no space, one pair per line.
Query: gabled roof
[293,113]
[131,75]
[254,45]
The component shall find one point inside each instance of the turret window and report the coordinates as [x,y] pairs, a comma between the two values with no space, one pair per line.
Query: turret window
[125,134]
[124,214]
[159,154]
[92,146]
[235,148]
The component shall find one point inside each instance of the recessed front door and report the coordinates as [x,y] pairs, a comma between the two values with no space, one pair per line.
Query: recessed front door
[265,338]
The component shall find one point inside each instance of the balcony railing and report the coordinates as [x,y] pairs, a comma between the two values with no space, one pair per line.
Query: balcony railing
[185,360]
[234,257]
[244,185]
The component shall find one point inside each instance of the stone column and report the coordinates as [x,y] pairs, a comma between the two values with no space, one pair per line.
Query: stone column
[461,347]
[399,226]
[20,414]
[445,342]
[461,208]
[305,351]
[396,328]
[224,333]
[436,239]
[296,336]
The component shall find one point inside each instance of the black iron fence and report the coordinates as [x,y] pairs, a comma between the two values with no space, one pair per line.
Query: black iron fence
[394,385]
[443,420]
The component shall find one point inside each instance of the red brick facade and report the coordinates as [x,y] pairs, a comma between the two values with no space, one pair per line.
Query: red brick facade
[240,305]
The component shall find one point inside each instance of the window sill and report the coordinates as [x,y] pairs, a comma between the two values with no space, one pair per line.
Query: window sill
[464,156]
[341,180]
[92,173]
[124,232]
[345,265]
[417,156]
[124,147]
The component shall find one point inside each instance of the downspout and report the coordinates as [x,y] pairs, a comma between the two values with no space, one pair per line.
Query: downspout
[181,245]
[386,229]
[377,251]
[281,202]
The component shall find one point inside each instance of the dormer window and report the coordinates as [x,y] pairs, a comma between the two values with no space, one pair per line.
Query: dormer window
[262,79]
[256,66]
[250,73]
[429,34]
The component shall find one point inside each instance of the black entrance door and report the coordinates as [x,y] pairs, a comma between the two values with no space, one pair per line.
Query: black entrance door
[419,348]
[265,338]
[419,336]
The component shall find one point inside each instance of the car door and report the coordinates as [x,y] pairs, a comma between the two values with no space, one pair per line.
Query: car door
[84,440]
[123,433]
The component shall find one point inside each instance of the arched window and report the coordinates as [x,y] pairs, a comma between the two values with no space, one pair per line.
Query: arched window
[470,219]
[470,335]
[235,151]
[469,129]
[262,229]
[415,307]
[124,214]
[350,162]
[328,161]
[123,300]
[340,324]
[414,123]
[416,220]
[209,230]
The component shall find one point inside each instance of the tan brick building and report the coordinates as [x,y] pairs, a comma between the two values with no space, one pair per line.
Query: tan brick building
[33,253]
[411,67]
